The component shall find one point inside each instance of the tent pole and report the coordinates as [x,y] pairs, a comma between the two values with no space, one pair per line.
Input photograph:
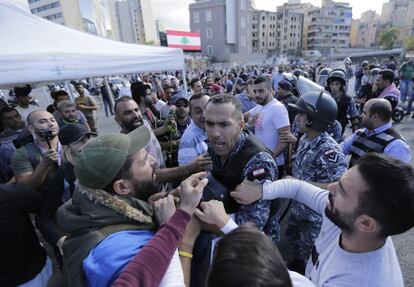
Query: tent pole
[69,90]
[109,91]
[185,81]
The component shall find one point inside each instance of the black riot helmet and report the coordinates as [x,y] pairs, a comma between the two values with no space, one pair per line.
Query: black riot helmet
[297,72]
[320,108]
[337,75]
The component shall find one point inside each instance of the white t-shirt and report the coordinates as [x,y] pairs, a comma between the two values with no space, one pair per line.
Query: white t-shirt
[299,280]
[272,117]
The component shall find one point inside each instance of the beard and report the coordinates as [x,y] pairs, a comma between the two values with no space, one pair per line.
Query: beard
[132,125]
[344,221]
[144,189]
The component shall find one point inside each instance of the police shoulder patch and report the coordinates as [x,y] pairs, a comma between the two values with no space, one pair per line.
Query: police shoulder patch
[331,155]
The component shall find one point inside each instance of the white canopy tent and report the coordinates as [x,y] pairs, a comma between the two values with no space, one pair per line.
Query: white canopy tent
[36,50]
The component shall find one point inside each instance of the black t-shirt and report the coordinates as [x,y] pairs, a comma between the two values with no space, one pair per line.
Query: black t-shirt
[22,257]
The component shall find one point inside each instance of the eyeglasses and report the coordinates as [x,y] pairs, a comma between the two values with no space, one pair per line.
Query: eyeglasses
[182,106]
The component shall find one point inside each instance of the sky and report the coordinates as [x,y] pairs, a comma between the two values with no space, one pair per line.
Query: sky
[175,13]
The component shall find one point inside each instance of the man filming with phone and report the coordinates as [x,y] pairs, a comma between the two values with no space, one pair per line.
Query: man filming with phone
[35,161]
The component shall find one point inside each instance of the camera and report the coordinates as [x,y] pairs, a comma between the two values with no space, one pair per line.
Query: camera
[46,134]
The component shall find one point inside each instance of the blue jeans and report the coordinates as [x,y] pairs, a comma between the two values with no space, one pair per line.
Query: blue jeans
[405,87]
[410,102]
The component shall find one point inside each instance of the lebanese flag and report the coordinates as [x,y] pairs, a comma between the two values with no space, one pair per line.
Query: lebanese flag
[188,41]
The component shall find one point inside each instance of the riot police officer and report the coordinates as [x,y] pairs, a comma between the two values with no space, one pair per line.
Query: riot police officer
[318,159]
[347,110]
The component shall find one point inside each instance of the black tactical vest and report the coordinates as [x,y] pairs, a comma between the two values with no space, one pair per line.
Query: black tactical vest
[230,175]
[363,144]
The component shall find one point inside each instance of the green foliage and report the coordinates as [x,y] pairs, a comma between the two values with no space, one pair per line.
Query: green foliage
[409,43]
[388,37]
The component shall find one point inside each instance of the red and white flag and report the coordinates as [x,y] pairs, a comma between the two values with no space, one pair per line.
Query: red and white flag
[188,41]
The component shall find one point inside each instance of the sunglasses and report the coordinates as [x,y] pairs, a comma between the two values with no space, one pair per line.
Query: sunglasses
[182,106]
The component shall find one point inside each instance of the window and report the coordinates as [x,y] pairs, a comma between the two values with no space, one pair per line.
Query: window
[243,22]
[54,16]
[243,4]
[196,17]
[210,50]
[209,33]
[208,16]
[243,41]
[46,7]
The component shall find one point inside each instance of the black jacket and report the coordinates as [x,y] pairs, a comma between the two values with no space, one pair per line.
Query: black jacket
[22,257]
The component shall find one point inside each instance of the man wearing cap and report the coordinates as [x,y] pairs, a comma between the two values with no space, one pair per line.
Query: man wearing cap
[285,96]
[179,121]
[61,185]
[246,99]
[23,101]
[109,219]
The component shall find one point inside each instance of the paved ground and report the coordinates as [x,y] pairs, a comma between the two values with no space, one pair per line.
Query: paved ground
[404,243]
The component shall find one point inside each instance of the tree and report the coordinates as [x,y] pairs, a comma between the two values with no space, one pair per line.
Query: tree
[388,37]
[409,43]
[150,43]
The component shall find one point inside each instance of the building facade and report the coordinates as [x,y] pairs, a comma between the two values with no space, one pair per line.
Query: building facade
[329,27]
[263,32]
[86,16]
[122,20]
[400,14]
[224,28]
[364,30]
[292,27]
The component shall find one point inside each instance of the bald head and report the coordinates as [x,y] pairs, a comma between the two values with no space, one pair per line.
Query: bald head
[381,107]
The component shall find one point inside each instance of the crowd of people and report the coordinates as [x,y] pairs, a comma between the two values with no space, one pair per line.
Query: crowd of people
[194,188]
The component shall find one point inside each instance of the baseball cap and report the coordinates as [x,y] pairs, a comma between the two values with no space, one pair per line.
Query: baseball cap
[102,158]
[72,133]
[179,96]
[285,85]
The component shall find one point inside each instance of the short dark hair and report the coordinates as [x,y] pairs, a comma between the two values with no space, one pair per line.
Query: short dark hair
[7,110]
[382,109]
[250,82]
[193,81]
[260,80]
[390,195]
[197,96]
[247,257]
[387,75]
[139,91]
[228,99]
[59,93]
[121,100]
